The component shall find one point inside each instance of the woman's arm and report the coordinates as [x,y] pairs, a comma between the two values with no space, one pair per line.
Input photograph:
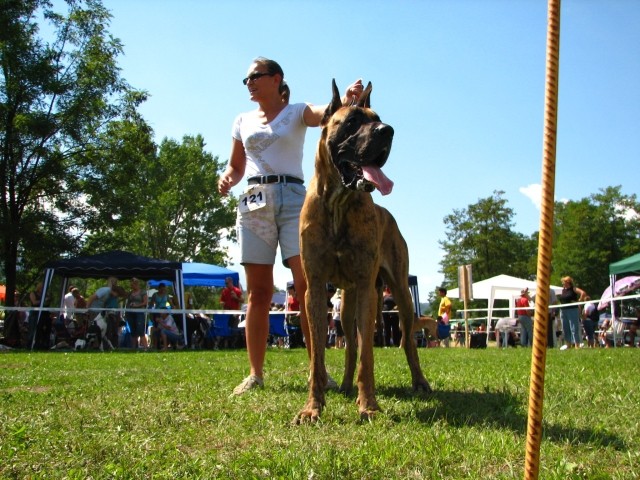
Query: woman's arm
[235,170]
[313,113]
[582,294]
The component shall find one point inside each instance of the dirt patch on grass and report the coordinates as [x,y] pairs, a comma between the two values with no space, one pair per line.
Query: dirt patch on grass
[27,389]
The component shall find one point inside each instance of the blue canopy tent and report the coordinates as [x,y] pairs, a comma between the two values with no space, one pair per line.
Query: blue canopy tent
[205,275]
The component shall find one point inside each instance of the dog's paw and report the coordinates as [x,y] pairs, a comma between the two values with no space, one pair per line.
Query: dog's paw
[346,388]
[368,414]
[422,385]
[367,407]
[307,415]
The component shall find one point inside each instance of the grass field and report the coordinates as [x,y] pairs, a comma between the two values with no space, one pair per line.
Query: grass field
[170,415]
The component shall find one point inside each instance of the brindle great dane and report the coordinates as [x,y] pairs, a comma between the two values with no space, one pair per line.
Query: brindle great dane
[349,241]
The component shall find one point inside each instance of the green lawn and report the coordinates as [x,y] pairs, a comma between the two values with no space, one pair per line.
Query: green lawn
[169,415]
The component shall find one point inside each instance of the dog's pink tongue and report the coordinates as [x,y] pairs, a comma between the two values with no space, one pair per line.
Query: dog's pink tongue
[379,179]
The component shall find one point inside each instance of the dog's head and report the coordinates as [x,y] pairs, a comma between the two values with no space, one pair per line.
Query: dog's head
[358,143]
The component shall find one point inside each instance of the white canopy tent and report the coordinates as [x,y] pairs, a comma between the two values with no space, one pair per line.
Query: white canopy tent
[500,287]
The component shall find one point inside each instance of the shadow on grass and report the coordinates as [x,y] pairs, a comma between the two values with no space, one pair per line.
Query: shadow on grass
[495,410]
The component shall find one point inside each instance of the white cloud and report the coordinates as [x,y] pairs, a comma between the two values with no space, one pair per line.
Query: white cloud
[533,192]
[627,214]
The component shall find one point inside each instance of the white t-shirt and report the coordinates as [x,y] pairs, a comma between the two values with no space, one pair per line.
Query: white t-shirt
[588,308]
[336,307]
[171,324]
[274,148]
[69,304]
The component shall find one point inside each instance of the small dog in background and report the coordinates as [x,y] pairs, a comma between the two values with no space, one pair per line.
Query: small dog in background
[97,334]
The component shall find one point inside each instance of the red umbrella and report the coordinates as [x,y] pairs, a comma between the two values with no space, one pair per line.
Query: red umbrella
[622,287]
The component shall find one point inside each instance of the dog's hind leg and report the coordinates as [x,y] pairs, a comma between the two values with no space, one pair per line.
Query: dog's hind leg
[348,317]
[405,307]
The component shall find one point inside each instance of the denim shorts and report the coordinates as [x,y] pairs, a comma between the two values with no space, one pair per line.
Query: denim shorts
[261,231]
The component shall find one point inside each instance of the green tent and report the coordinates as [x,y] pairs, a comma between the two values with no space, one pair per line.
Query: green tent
[627,265]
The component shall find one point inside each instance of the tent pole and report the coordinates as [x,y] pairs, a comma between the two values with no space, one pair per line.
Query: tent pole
[180,292]
[612,283]
[47,280]
[539,350]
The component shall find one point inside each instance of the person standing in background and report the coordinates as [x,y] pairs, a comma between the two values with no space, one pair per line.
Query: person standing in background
[570,315]
[444,310]
[524,313]
[137,321]
[590,317]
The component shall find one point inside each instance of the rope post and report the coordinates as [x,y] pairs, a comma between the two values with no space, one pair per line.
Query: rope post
[539,350]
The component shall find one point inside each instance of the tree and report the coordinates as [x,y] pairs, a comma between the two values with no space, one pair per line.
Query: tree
[591,233]
[162,204]
[481,235]
[55,98]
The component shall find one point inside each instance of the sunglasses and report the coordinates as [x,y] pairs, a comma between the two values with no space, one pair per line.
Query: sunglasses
[255,76]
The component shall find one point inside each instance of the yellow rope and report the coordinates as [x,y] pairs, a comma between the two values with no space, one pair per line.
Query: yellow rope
[539,350]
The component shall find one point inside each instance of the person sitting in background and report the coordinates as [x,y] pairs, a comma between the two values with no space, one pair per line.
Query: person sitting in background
[604,329]
[169,331]
[633,329]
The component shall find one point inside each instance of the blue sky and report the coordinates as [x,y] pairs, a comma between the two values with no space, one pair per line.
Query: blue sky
[461,82]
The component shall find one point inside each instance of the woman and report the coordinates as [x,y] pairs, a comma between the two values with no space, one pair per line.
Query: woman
[267,146]
[159,300]
[137,321]
[570,315]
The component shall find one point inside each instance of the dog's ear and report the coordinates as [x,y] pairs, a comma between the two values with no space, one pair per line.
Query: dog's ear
[365,99]
[334,106]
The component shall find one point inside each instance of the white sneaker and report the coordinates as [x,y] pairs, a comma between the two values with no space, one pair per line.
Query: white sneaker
[331,383]
[247,384]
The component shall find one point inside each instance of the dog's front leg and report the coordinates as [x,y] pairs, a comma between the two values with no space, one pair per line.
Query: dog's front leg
[316,306]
